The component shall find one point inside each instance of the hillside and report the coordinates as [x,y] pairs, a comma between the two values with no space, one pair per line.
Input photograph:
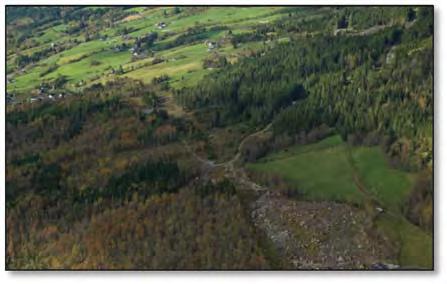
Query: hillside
[219,137]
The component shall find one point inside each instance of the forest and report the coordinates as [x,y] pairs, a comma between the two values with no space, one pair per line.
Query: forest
[219,138]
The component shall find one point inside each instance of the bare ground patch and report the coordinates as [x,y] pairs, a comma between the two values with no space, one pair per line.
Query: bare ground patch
[321,235]
[132,17]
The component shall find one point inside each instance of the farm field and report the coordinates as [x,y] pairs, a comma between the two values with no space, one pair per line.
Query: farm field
[182,63]
[322,170]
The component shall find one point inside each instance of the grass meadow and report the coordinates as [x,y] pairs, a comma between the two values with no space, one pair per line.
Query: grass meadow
[322,171]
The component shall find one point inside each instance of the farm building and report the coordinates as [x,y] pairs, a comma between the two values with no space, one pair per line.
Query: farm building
[161,25]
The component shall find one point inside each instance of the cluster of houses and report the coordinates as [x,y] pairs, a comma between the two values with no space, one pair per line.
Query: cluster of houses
[137,53]
[211,45]
[46,95]
[11,99]
[140,47]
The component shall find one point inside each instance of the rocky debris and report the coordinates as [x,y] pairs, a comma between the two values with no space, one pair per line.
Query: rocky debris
[320,235]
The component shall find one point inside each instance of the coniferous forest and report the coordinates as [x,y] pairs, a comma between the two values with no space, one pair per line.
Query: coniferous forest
[219,138]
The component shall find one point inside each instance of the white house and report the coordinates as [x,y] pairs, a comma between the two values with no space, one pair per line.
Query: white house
[161,25]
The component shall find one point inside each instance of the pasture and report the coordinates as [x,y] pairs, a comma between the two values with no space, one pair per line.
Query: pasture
[320,170]
[182,63]
[323,171]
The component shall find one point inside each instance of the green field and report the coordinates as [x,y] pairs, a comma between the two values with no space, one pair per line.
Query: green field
[388,185]
[322,171]
[415,244]
[75,62]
